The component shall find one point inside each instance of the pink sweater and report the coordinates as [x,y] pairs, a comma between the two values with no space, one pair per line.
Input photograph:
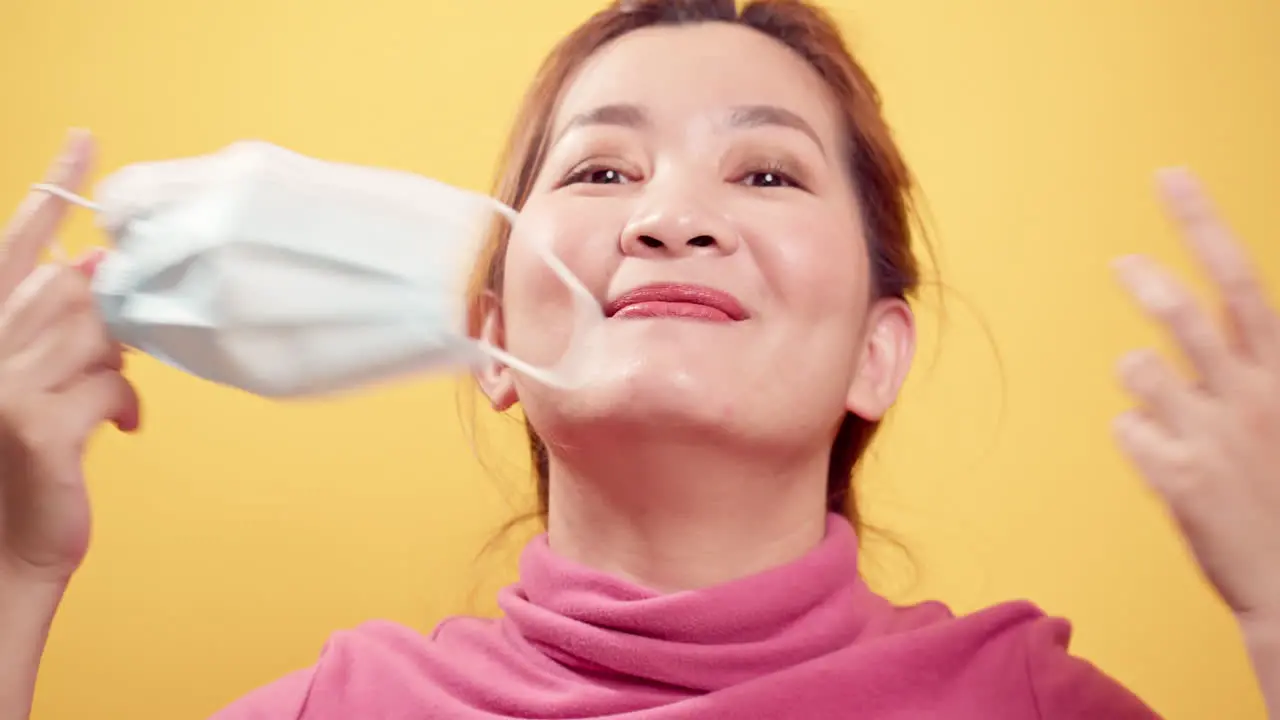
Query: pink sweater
[806,640]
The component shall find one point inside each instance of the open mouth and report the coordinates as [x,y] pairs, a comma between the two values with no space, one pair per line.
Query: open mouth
[670,300]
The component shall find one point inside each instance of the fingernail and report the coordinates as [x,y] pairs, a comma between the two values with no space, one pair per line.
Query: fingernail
[1124,423]
[1152,292]
[89,260]
[1175,180]
[1136,275]
[74,138]
[1122,261]
[1126,266]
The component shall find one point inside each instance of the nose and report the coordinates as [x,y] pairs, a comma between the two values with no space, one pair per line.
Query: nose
[675,229]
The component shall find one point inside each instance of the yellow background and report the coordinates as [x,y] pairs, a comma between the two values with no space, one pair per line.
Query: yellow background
[234,534]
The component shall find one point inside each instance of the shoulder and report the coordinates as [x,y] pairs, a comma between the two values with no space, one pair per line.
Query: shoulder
[385,659]
[369,669]
[1021,643]
[1068,686]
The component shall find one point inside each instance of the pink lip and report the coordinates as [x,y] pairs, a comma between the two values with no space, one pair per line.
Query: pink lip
[680,301]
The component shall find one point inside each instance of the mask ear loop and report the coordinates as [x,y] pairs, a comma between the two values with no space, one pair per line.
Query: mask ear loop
[55,248]
[584,302]
[67,195]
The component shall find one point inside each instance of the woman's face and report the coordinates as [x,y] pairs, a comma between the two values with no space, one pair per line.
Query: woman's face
[709,158]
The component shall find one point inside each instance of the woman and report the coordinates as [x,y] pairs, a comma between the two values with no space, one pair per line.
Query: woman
[725,183]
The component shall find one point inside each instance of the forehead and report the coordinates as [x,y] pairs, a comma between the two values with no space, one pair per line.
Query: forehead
[681,72]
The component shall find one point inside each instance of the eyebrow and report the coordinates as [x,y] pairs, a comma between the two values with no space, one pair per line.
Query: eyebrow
[753,116]
[747,116]
[629,116]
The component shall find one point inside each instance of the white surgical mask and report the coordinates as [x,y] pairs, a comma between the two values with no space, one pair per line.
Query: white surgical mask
[288,276]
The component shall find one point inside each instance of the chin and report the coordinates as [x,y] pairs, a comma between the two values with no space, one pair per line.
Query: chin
[665,392]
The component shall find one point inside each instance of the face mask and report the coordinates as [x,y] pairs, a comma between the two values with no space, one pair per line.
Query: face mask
[288,276]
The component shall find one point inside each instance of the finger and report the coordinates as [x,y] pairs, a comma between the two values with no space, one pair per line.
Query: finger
[32,228]
[1170,303]
[88,264]
[76,345]
[40,300]
[1215,518]
[1155,453]
[1224,260]
[1167,399]
[104,395]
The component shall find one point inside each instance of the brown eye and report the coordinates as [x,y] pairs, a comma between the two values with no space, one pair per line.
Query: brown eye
[770,178]
[596,175]
[605,176]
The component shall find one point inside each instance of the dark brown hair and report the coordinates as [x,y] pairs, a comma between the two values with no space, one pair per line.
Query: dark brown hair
[883,181]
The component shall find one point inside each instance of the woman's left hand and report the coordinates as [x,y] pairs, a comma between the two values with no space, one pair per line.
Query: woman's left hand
[1210,444]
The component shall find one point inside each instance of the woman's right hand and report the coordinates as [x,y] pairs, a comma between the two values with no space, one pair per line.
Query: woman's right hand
[60,378]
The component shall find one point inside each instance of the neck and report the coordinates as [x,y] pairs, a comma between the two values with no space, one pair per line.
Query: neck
[672,516]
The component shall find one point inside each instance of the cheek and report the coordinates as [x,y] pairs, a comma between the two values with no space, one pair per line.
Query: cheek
[817,264]
[537,307]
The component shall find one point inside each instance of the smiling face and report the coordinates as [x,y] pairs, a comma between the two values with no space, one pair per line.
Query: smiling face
[696,180]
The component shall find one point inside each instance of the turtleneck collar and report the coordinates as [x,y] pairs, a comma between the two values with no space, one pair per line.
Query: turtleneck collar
[699,640]
[804,640]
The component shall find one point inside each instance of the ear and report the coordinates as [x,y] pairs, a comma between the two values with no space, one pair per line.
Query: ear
[494,378]
[889,346]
